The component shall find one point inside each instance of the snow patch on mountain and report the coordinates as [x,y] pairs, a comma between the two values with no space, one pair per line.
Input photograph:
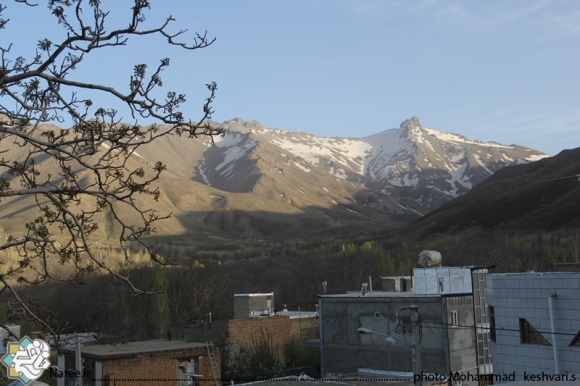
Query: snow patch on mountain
[536,157]
[312,149]
[480,162]
[338,172]
[303,168]
[202,172]
[434,164]
[233,151]
[354,211]
[455,138]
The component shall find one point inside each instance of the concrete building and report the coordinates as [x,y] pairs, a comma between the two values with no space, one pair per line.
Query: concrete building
[535,324]
[396,283]
[137,363]
[256,304]
[453,328]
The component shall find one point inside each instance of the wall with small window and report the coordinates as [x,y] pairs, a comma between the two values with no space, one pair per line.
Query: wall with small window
[520,322]
[461,331]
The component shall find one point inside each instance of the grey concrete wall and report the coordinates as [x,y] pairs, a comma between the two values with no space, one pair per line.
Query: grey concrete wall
[455,280]
[241,307]
[462,342]
[345,350]
[244,304]
[525,295]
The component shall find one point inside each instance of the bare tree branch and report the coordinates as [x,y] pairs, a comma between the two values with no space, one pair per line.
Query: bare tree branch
[38,90]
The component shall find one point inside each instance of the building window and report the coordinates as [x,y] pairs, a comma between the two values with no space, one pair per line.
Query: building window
[530,335]
[576,340]
[377,315]
[454,318]
[491,323]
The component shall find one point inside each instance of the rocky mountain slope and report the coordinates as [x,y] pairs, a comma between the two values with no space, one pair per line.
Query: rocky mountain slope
[428,166]
[541,196]
[261,182]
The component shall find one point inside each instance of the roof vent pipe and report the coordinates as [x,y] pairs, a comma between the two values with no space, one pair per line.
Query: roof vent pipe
[554,341]
[364,288]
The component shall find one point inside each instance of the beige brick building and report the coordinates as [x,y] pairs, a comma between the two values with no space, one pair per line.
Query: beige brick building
[281,327]
[153,362]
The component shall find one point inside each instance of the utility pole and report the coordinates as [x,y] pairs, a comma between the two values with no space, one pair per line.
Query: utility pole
[417,373]
[78,361]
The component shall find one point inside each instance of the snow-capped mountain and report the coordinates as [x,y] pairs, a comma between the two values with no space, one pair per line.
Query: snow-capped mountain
[429,166]
[276,183]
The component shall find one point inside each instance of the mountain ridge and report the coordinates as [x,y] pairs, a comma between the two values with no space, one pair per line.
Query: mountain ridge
[401,161]
[541,196]
[259,182]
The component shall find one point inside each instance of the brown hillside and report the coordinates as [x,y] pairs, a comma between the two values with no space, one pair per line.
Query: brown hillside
[543,195]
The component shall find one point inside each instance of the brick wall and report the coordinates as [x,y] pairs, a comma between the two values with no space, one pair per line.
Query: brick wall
[161,365]
[299,327]
[279,328]
[217,332]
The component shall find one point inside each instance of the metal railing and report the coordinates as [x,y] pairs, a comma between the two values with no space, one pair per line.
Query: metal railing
[309,333]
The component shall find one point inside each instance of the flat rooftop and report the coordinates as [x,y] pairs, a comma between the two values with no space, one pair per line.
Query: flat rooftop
[382,294]
[134,348]
[256,294]
[297,314]
[559,275]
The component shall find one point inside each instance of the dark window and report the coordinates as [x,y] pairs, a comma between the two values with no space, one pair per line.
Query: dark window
[576,340]
[109,380]
[530,335]
[491,323]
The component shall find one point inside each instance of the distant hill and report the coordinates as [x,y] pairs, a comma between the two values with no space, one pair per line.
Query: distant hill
[259,182]
[540,196]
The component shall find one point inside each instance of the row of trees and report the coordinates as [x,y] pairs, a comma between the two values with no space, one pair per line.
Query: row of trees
[193,288]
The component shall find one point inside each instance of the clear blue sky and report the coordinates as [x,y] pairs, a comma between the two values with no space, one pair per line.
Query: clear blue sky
[506,71]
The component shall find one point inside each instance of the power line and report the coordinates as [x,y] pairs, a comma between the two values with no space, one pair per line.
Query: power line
[496,328]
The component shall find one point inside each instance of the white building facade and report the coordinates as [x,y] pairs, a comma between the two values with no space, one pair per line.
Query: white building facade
[535,325]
